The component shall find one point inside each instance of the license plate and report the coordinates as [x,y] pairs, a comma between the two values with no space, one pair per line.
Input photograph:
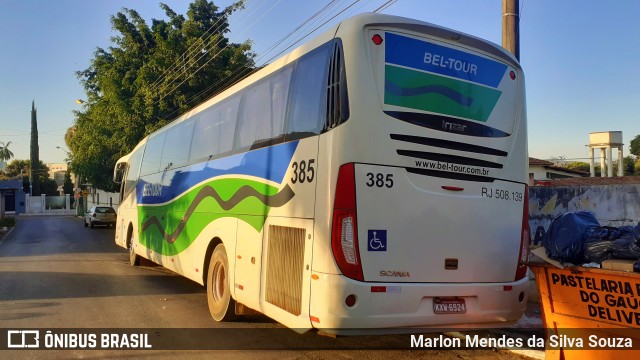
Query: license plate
[449,306]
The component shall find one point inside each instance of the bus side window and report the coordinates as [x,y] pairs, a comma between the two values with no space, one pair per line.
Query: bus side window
[214,131]
[152,154]
[131,174]
[254,123]
[175,153]
[308,100]
[280,84]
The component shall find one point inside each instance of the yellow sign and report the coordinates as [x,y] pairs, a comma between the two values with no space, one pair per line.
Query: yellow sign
[596,296]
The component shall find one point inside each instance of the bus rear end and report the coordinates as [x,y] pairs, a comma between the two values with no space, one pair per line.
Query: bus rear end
[428,205]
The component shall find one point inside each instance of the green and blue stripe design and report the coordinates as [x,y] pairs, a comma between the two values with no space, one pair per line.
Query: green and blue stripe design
[244,186]
[425,76]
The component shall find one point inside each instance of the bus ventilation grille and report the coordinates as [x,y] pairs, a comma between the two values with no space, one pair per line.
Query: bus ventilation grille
[285,268]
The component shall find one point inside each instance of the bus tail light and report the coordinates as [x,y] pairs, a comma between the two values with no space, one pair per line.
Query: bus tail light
[344,232]
[523,255]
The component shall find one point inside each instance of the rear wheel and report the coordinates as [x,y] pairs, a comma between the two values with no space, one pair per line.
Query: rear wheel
[221,304]
[85,223]
[134,259]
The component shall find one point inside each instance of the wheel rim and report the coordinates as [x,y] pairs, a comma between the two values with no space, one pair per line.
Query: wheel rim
[218,288]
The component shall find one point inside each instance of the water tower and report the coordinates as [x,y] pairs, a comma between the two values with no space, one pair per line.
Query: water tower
[605,141]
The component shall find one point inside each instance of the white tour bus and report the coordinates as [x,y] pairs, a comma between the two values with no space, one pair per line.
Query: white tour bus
[373,178]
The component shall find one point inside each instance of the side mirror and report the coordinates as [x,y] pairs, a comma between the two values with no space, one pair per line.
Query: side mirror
[118,173]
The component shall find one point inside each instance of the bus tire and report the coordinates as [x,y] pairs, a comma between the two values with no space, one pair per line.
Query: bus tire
[134,259]
[221,304]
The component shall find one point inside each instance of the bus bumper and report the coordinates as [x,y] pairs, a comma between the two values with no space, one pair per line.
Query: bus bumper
[410,305]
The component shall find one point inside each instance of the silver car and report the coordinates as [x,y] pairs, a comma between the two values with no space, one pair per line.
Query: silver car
[100,215]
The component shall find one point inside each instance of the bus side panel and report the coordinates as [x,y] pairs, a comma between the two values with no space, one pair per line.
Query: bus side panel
[323,260]
[288,235]
[126,215]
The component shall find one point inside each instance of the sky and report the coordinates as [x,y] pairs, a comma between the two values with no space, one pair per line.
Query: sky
[581,59]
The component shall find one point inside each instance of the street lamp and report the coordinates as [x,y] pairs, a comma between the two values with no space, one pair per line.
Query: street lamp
[65,150]
[68,159]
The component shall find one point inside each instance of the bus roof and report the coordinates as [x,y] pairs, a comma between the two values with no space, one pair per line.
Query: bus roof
[355,22]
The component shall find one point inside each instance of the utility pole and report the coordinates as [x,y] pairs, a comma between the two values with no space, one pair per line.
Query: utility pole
[511,27]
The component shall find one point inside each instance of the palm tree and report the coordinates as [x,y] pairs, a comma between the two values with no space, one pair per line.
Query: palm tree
[5,153]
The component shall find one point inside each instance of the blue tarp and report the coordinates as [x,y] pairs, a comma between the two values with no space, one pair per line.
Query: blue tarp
[564,240]
[577,237]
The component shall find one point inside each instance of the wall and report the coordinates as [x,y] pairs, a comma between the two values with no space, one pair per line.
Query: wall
[612,204]
[99,197]
[13,195]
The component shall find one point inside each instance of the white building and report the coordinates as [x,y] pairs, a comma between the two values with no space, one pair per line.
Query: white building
[543,170]
[57,172]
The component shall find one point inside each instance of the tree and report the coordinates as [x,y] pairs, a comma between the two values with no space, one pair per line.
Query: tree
[634,146]
[5,153]
[627,166]
[22,169]
[583,166]
[67,185]
[579,166]
[148,77]
[35,150]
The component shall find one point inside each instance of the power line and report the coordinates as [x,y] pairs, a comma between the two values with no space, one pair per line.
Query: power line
[309,23]
[190,50]
[178,73]
[241,71]
[312,31]
[384,6]
[214,56]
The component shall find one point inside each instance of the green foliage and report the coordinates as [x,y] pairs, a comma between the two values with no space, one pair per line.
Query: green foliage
[634,146]
[579,166]
[22,168]
[67,185]
[49,187]
[583,166]
[35,150]
[8,222]
[627,166]
[148,77]
[5,153]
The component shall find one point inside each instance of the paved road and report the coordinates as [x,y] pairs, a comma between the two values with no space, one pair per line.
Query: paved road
[55,273]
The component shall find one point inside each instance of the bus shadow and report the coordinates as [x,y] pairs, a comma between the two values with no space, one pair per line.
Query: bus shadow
[34,285]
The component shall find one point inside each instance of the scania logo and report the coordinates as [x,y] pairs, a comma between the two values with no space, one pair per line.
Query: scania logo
[394,273]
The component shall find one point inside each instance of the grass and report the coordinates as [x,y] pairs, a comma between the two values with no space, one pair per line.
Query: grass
[8,222]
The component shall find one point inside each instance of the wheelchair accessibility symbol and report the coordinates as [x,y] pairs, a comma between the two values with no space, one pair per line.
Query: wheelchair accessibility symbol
[377,240]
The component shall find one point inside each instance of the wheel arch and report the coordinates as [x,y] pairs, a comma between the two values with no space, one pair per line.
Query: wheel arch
[129,233]
[207,257]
